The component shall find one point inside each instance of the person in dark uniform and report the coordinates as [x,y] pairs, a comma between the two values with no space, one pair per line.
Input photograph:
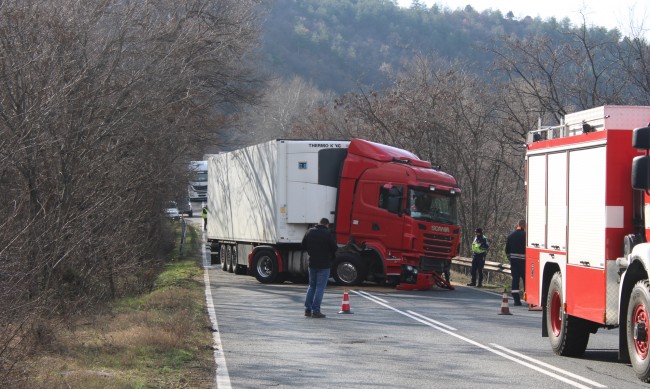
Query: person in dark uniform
[516,252]
[320,244]
[480,248]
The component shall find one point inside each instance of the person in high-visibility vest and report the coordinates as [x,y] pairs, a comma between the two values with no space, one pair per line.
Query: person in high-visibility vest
[204,215]
[480,248]
[516,252]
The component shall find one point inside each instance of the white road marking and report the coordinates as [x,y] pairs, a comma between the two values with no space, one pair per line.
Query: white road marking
[222,378]
[432,321]
[375,297]
[548,366]
[440,328]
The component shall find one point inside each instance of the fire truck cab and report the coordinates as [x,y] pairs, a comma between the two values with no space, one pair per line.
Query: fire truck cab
[587,256]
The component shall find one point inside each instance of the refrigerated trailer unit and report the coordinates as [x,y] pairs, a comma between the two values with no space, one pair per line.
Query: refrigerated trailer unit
[394,215]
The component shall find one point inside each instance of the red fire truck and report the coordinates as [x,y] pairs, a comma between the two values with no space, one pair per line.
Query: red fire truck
[588,255]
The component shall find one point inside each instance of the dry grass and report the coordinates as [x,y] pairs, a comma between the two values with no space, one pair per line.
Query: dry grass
[158,340]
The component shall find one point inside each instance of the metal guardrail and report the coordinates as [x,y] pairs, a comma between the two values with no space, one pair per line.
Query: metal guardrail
[493,271]
[489,266]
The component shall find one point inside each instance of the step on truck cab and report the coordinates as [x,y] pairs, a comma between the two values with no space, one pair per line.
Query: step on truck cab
[394,215]
[588,255]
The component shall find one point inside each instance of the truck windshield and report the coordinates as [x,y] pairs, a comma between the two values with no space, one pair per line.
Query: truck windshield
[433,206]
[200,176]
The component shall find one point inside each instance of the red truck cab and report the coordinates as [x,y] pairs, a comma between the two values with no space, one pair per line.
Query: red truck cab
[397,216]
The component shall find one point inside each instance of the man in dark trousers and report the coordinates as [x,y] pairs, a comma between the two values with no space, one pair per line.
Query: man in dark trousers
[321,247]
[480,248]
[516,252]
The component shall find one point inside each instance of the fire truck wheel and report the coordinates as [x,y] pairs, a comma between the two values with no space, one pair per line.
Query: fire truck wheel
[568,335]
[265,266]
[222,257]
[349,270]
[638,329]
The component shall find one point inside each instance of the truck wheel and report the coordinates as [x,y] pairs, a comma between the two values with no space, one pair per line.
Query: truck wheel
[239,269]
[265,266]
[222,257]
[568,335]
[638,330]
[229,258]
[349,270]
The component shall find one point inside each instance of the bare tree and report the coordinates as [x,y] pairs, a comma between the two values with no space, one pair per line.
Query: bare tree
[99,103]
[448,117]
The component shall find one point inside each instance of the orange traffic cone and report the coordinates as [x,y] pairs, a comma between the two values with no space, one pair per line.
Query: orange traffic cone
[345,306]
[505,310]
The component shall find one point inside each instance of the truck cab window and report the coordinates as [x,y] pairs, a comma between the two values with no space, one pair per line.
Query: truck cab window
[433,206]
[390,198]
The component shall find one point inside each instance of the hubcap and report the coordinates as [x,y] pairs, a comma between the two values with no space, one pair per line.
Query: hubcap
[640,328]
[264,266]
[556,313]
[347,272]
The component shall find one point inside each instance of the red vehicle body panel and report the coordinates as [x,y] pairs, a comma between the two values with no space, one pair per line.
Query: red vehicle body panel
[399,239]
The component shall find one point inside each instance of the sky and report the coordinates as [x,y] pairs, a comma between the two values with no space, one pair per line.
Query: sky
[605,13]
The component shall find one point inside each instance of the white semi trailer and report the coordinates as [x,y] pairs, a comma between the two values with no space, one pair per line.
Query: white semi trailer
[268,195]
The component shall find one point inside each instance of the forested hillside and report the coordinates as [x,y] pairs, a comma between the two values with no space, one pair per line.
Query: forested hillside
[459,88]
[340,43]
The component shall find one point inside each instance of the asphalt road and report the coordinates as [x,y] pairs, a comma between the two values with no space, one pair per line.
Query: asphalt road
[393,339]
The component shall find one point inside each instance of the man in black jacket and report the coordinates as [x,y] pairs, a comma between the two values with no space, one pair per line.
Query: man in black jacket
[321,247]
[516,252]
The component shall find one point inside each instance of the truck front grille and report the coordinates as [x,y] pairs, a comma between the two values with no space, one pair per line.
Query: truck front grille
[437,244]
[434,264]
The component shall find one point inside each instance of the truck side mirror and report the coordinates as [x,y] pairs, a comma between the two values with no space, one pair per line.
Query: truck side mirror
[641,172]
[641,138]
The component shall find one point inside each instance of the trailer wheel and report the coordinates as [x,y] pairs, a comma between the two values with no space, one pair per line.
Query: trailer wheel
[239,269]
[638,329]
[265,266]
[568,335]
[229,259]
[349,270]
[222,257]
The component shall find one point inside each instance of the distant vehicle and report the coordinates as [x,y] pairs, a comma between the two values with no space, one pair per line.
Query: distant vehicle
[172,211]
[198,185]
[185,206]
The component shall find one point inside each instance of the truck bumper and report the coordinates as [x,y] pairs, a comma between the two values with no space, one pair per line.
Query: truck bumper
[424,281]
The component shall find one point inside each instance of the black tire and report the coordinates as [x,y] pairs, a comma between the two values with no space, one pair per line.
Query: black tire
[349,270]
[222,257]
[265,266]
[568,335]
[637,317]
[239,269]
[229,259]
